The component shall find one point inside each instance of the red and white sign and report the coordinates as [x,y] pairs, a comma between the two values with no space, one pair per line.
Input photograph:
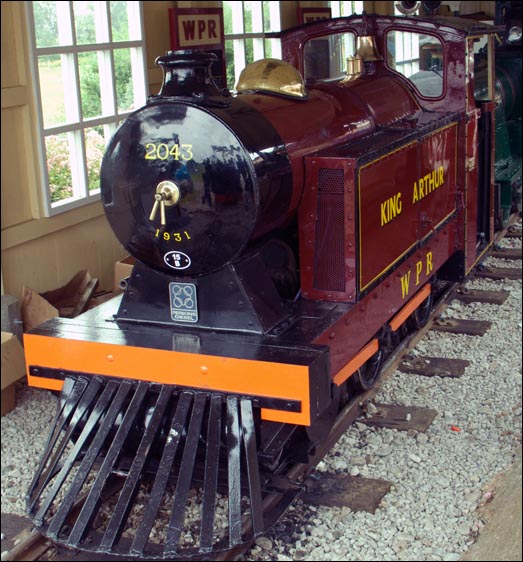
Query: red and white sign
[196,28]
[309,15]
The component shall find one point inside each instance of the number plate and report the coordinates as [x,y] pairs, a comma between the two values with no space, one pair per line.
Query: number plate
[184,305]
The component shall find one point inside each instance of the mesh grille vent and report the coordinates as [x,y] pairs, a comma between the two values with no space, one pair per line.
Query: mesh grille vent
[329,255]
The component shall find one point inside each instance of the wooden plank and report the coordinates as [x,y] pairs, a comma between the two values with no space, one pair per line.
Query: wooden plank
[68,294]
[84,299]
[341,490]
[72,298]
[498,272]
[459,326]
[478,295]
[507,253]
[433,366]
[401,418]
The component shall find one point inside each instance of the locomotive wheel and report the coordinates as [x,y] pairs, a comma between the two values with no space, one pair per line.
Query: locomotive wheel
[421,315]
[367,375]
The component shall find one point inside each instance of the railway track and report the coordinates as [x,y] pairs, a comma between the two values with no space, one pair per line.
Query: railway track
[30,545]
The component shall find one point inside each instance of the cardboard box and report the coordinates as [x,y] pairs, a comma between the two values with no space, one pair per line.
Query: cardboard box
[13,369]
[35,309]
[122,269]
[8,399]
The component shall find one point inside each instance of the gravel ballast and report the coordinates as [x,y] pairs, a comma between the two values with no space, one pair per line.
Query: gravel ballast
[439,477]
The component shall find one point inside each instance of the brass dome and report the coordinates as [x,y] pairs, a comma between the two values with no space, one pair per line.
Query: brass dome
[272,76]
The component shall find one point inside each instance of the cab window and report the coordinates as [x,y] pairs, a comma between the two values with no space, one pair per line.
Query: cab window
[325,57]
[418,57]
[480,63]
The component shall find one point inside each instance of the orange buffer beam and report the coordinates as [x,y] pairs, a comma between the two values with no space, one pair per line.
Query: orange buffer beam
[209,372]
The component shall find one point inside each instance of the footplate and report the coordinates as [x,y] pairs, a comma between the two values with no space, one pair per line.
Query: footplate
[149,471]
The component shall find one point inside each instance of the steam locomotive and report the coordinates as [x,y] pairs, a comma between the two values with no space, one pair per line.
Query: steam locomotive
[285,235]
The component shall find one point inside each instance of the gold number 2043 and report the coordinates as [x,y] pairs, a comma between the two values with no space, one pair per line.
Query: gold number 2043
[162,151]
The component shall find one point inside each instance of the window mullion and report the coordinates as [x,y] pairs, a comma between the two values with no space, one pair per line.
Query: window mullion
[257,17]
[107,87]
[137,74]
[71,87]
[258,48]
[77,159]
[64,20]
[239,58]
[275,18]
[134,19]
[237,18]
[101,21]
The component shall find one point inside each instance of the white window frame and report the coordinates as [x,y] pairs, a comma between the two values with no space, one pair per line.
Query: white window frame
[76,125]
[239,36]
[341,9]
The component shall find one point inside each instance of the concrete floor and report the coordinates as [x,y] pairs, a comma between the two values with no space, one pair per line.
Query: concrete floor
[500,539]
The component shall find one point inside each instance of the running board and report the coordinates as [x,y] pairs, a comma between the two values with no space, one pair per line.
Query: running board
[131,469]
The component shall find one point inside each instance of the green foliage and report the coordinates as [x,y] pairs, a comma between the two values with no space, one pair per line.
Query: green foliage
[89,85]
[124,79]
[94,151]
[59,166]
[46,27]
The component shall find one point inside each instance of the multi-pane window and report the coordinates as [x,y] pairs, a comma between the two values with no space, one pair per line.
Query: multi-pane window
[89,72]
[341,9]
[419,57]
[245,24]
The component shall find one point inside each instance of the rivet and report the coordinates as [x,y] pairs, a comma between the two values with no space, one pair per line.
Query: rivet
[110,358]
[204,370]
